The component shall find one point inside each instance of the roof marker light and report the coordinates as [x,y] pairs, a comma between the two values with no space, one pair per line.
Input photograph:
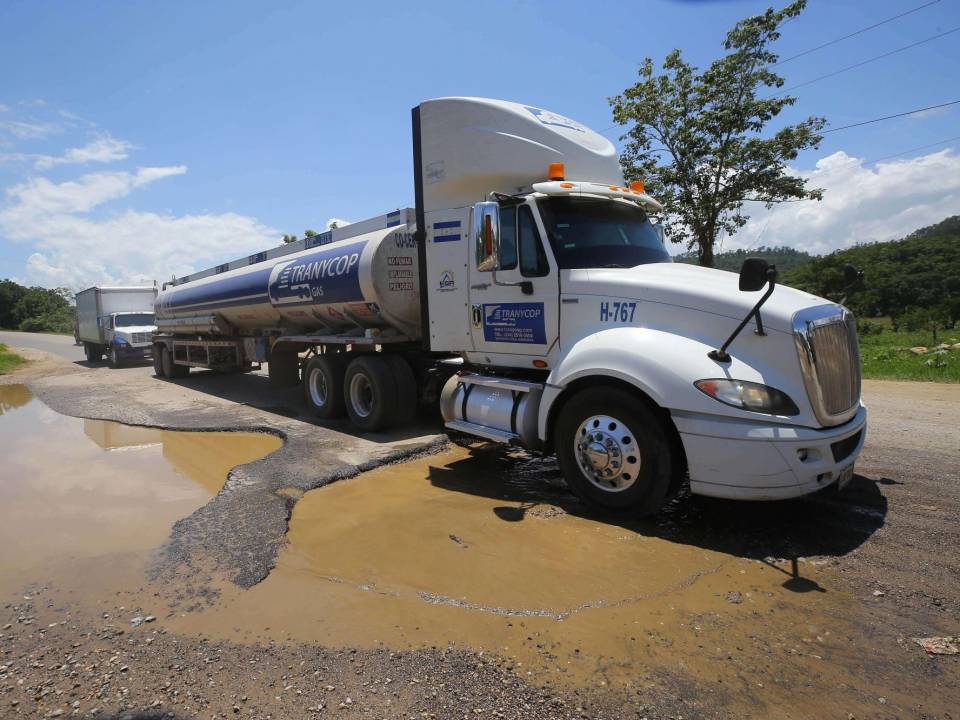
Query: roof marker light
[637,186]
[555,171]
[566,185]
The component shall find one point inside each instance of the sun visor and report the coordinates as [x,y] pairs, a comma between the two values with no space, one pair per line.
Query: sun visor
[473,146]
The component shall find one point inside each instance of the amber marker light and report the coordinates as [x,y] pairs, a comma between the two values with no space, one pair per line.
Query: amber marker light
[555,171]
[637,186]
[540,364]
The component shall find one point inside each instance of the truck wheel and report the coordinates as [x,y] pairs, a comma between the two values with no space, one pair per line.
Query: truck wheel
[323,386]
[613,451]
[283,368]
[92,352]
[370,392]
[158,360]
[406,389]
[171,370]
[113,359]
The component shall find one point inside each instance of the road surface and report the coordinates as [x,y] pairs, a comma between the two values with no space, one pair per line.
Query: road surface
[61,345]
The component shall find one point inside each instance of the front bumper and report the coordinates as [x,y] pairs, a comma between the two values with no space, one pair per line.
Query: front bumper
[133,351]
[748,460]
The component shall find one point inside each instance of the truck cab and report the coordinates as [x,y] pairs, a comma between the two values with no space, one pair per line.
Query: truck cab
[128,335]
[580,336]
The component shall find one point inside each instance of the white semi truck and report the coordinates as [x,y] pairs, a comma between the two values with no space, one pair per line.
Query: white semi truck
[116,322]
[531,292]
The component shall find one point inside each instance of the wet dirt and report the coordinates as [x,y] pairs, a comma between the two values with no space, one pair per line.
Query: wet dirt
[448,552]
[80,495]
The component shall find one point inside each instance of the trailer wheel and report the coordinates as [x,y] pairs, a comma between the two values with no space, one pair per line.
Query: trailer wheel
[323,386]
[92,352]
[158,360]
[171,370]
[406,389]
[613,451]
[370,393]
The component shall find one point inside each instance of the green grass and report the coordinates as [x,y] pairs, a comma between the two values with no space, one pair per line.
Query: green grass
[886,354]
[9,360]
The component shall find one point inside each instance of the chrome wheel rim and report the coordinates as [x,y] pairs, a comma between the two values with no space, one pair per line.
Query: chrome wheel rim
[361,395]
[607,453]
[317,383]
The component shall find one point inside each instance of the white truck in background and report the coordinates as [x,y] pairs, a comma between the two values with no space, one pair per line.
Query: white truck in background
[530,290]
[116,322]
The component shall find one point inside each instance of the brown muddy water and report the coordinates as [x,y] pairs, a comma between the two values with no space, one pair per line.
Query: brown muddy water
[91,495]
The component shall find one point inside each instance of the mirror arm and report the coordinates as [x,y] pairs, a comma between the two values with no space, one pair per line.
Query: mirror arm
[721,355]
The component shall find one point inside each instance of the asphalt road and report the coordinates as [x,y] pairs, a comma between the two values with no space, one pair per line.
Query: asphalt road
[61,345]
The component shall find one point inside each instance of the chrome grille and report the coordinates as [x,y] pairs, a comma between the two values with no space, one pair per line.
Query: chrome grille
[139,338]
[826,339]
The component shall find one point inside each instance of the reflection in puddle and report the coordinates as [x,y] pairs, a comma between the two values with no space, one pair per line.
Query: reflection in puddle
[73,489]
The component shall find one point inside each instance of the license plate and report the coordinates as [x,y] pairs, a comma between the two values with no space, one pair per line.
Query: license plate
[846,475]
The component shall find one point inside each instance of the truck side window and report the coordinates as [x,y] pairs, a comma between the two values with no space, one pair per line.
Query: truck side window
[508,238]
[533,260]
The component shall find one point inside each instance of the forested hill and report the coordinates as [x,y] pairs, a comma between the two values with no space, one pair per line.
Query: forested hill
[784,258]
[922,271]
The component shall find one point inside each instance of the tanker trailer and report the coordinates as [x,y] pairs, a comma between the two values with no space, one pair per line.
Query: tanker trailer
[531,293]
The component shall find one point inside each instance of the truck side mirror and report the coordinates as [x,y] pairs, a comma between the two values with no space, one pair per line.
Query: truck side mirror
[486,235]
[851,274]
[754,274]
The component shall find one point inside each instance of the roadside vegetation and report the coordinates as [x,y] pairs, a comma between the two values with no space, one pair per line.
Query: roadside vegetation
[892,351]
[35,309]
[9,360]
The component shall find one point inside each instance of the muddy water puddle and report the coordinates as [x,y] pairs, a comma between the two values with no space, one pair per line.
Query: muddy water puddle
[445,551]
[84,497]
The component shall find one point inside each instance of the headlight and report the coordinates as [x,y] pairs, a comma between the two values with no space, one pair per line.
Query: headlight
[749,396]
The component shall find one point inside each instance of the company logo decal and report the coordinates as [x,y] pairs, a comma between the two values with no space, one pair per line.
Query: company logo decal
[326,276]
[514,323]
[448,281]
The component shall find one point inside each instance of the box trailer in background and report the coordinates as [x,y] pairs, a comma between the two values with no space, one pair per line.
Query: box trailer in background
[116,322]
[530,291]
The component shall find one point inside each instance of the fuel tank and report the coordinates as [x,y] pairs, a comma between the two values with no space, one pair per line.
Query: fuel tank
[366,281]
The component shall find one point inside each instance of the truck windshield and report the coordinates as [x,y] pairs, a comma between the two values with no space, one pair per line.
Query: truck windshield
[134,320]
[593,233]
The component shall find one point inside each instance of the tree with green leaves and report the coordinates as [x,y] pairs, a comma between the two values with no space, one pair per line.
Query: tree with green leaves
[287,239]
[697,138]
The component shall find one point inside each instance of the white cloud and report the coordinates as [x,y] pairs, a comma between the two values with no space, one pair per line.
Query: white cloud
[860,204]
[339,222]
[29,129]
[74,250]
[4,108]
[104,149]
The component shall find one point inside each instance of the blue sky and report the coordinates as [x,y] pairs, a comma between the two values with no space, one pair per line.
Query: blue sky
[201,131]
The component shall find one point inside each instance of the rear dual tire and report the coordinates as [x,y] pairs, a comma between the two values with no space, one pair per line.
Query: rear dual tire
[375,391]
[169,368]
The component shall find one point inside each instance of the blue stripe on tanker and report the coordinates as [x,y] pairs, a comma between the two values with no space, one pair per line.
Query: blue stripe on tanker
[223,289]
[328,275]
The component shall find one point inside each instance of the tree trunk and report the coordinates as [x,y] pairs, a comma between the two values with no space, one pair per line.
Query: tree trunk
[705,251]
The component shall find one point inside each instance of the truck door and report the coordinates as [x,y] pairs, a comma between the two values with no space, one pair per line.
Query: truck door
[514,314]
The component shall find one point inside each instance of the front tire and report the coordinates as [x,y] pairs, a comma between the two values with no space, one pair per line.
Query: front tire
[370,393]
[113,358]
[323,386]
[613,451]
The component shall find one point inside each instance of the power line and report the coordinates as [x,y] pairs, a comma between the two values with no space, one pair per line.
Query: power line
[921,147]
[864,62]
[889,117]
[855,33]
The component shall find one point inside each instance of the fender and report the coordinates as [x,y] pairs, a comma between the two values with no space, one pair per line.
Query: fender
[664,366]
